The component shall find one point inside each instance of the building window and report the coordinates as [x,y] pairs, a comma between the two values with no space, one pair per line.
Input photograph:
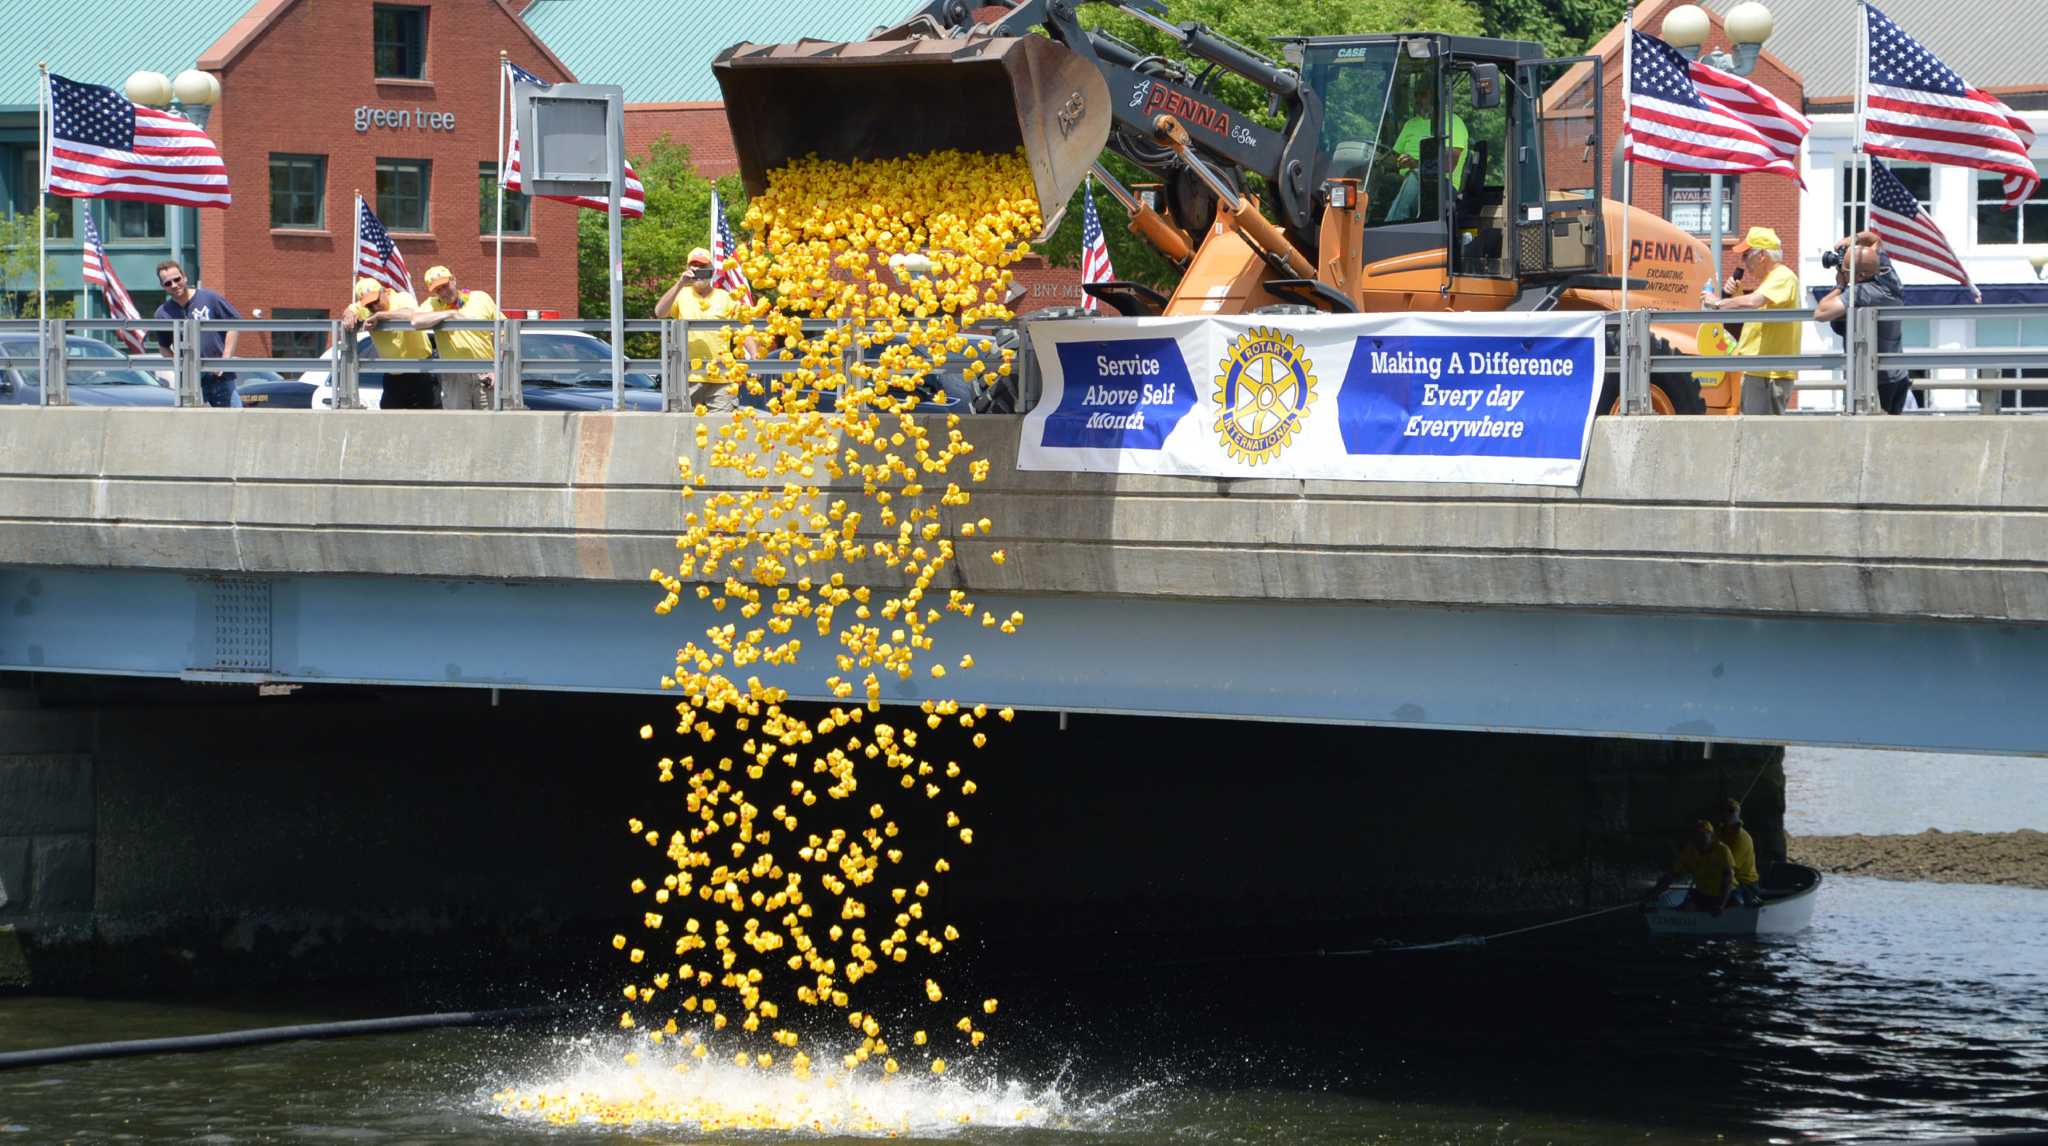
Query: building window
[132,219]
[298,191]
[1688,201]
[402,193]
[1917,177]
[1998,226]
[400,36]
[297,344]
[31,179]
[516,203]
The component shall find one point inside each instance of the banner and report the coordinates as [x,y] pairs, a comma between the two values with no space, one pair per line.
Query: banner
[1445,398]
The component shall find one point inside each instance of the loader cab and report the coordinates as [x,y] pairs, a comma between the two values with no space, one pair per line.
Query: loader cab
[1451,142]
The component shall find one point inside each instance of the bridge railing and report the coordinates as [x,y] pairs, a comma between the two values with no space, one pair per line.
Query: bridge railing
[177,344]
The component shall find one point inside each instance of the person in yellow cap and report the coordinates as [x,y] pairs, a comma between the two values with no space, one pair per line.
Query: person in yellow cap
[1707,862]
[1763,282]
[1741,852]
[445,300]
[387,314]
[695,299]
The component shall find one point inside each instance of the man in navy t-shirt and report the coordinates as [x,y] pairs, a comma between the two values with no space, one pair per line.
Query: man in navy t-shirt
[182,300]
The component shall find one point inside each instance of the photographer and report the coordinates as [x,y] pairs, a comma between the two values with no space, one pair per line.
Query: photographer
[1877,285]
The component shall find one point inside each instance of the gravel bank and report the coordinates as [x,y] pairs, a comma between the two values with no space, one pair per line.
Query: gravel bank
[2015,859]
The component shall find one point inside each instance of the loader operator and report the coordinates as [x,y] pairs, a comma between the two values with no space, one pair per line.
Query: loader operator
[1420,128]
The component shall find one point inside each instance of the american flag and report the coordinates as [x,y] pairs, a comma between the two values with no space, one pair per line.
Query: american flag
[104,147]
[1908,232]
[377,256]
[100,272]
[1670,124]
[1778,122]
[632,198]
[1916,108]
[729,275]
[1095,266]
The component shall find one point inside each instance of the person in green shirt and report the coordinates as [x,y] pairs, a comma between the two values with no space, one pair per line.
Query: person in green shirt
[1407,151]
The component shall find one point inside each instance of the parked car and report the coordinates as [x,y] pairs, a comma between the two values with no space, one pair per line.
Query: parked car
[102,376]
[546,388]
[269,390]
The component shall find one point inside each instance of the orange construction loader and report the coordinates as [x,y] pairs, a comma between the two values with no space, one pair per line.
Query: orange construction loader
[1411,171]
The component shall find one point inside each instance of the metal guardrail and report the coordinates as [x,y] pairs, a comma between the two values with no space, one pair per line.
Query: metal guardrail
[1853,371]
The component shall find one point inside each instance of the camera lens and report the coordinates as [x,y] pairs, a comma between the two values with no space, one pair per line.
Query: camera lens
[1831,259]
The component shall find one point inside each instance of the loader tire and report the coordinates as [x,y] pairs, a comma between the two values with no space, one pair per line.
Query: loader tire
[1671,391]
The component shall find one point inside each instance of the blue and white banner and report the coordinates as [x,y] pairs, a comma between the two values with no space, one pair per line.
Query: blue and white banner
[1443,398]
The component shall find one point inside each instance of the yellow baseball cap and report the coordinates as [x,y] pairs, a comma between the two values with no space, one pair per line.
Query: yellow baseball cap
[1761,239]
[700,257]
[436,276]
[366,288]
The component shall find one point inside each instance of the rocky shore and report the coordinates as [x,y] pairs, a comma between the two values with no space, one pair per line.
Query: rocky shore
[2014,859]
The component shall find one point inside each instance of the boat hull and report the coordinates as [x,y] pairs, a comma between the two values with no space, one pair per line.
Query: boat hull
[1790,895]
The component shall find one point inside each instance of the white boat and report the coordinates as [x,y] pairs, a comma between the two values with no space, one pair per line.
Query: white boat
[1789,892]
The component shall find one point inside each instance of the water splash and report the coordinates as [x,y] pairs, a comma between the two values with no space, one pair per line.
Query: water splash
[588,1083]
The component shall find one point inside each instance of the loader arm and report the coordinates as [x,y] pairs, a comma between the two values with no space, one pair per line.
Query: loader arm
[1143,87]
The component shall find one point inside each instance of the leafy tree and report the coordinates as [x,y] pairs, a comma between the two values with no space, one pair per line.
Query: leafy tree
[1563,27]
[18,248]
[653,247]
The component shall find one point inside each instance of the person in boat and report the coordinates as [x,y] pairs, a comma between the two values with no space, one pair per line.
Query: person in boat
[1742,850]
[1711,867]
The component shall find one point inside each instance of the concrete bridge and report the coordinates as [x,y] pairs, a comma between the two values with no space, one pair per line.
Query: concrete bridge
[1853,581]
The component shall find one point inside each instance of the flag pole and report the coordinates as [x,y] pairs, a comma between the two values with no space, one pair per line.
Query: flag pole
[1628,163]
[1860,169]
[498,271]
[356,248]
[43,228]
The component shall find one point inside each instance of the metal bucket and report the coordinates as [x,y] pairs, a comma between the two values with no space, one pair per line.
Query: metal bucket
[875,99]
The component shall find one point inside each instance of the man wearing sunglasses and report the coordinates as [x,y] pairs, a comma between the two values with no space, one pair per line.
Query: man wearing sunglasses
[183,300]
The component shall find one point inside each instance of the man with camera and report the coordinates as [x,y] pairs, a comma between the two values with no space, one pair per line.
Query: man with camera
[1877,284]
[1762,281]
[694,299]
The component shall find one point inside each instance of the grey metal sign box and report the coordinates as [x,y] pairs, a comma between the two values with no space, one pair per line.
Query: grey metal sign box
[567,137]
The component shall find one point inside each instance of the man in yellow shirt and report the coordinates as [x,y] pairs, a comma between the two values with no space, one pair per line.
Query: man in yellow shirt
[445,300]
[1769,285]
[388,314]
[1711,868]
[693,298]
[1742,853]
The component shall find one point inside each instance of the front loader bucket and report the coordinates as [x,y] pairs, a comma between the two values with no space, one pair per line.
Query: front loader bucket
[875,99]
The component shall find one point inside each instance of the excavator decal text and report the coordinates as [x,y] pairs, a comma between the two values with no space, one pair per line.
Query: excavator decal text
[1194,113]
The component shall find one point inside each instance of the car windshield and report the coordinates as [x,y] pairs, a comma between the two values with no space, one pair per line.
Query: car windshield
[95,373]
[562,345]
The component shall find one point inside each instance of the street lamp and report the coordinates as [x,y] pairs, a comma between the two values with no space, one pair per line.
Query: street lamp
[192,95]
[1686,28]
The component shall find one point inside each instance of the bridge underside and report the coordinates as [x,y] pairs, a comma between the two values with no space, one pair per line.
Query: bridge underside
[1893,684]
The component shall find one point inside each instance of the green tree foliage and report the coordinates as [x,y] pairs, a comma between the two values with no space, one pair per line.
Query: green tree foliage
[18,248]
[655,246]
[1563,27]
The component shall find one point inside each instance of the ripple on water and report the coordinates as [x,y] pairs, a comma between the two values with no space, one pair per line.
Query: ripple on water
[588,1082]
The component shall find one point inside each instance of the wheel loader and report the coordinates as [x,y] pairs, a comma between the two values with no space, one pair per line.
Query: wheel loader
[1410,171]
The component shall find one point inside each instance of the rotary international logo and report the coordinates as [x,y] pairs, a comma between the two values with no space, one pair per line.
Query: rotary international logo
[1262,395]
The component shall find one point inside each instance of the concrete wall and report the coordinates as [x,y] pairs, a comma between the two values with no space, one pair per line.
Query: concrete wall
[1883,518]
[200,834]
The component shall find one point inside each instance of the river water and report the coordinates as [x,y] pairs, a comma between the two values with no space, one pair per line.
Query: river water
[1907,1010]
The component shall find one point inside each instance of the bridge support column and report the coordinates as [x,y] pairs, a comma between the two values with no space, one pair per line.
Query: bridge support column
[48,825]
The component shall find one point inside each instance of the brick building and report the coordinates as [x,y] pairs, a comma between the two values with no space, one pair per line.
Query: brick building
[319,99]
